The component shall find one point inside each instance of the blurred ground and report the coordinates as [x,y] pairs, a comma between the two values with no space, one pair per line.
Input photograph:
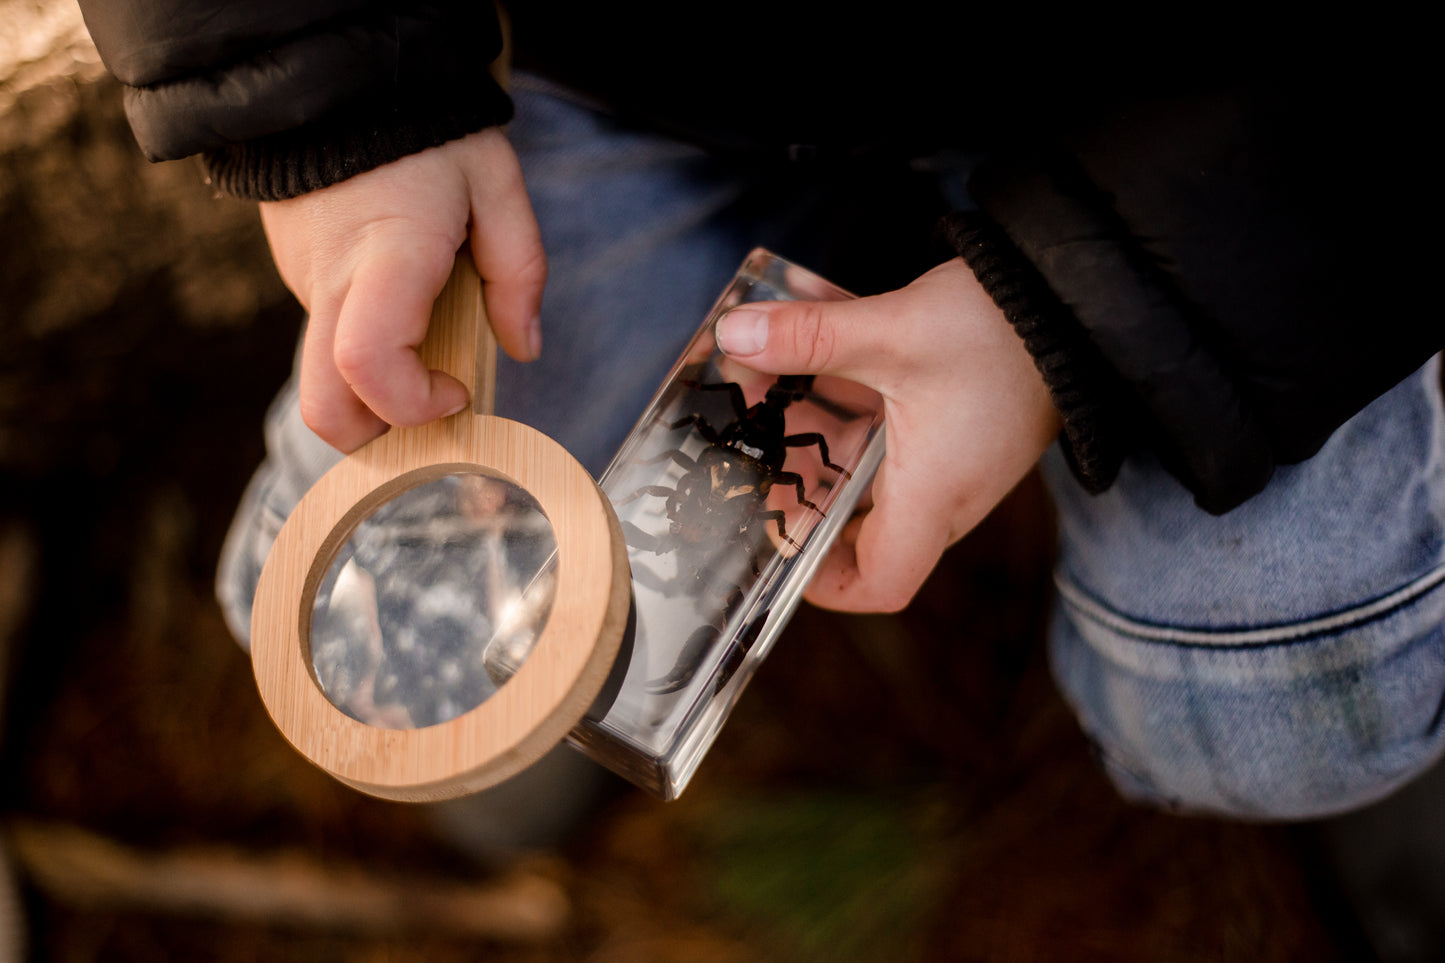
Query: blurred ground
[900,788]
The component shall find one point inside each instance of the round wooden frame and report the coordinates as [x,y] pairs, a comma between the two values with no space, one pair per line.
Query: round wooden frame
[572,657]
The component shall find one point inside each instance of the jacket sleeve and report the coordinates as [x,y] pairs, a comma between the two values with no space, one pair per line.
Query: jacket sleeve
[1222,277]
[286,96]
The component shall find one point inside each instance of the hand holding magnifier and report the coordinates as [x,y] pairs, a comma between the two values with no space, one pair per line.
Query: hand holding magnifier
[574,651]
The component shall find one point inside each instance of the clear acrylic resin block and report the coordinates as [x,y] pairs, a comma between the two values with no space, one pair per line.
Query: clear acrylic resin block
[730,490]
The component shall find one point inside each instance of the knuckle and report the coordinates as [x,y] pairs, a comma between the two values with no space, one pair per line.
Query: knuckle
[322,419]
[814,342]
[532,268]
[354,359]
[894,599]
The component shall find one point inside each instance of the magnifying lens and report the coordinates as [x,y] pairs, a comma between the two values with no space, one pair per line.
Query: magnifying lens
[447,602]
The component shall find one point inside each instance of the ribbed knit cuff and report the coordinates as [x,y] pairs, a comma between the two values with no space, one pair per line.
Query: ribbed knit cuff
[297,162]
[1089,395]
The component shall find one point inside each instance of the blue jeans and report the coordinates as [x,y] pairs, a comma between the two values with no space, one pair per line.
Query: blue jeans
[1284,660]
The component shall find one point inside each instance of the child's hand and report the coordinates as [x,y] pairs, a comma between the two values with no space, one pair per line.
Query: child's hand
[967,416]
[368,256]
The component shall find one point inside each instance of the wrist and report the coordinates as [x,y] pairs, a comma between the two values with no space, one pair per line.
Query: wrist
[1089,398]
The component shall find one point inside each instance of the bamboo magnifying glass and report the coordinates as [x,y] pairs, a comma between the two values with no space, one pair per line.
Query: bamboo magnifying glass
[328,675]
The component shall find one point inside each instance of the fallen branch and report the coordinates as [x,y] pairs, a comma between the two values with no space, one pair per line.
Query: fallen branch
[78,867]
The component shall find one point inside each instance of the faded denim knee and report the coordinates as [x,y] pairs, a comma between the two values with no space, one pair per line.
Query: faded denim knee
[1284,660]
[1282,722]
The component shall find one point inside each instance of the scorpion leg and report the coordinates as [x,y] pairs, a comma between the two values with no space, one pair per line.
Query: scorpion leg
[708,432]
[816,438]
[777,516]
[673,455]
[796,480]
[661,491]
[649,579]
[645,541]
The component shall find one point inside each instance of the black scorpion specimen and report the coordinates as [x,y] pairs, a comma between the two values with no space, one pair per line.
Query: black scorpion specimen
[717,508]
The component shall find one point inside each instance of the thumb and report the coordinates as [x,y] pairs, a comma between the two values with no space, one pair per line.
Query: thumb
[839,338]
[507,246]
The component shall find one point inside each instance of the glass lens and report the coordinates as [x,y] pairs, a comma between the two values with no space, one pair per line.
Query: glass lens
[434,602]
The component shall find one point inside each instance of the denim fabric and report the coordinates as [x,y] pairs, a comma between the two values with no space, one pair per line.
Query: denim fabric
[1285,660]
[295,459]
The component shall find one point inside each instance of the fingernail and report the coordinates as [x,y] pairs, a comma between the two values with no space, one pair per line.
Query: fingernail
[459,408]
[534,337]
[742,332]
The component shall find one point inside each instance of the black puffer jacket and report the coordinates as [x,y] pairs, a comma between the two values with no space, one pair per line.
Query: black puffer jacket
[1206,232]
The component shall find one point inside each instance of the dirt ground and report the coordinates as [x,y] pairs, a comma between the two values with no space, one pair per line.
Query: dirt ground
[901,787]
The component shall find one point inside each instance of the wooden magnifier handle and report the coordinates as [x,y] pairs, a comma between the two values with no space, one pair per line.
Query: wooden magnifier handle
[459,338]
[574,650]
